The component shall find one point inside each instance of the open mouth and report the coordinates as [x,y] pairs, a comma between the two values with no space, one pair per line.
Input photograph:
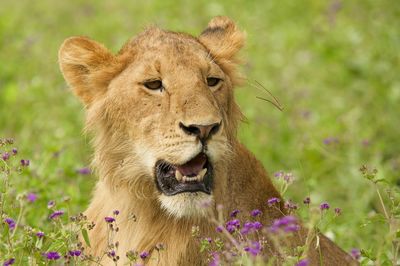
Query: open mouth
[193,176]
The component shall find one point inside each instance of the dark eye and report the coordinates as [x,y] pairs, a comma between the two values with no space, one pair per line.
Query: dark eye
[153,85]
[212,82]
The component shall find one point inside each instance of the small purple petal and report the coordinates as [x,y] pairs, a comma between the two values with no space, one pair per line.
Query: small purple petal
[272,201]
[9,262]
[234,213]
[144,255]
[255,213]
[355,253]
[56,214]
[11,223]
[25,162]
[116,212]
[14,151]
[303,262]
[31,197]
[83,171]
[307,201]
[40,234]
[109,219]
[5,156]
[52,255]
[324,206]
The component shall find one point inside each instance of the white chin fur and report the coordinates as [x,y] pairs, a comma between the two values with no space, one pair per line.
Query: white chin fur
[186,204]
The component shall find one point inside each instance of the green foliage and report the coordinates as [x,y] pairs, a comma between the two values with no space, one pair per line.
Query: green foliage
[333,65]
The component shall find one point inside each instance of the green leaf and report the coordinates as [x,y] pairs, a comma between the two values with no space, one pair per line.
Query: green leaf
[86,237]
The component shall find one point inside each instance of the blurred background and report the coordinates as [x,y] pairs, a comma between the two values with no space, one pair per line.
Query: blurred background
[334,65]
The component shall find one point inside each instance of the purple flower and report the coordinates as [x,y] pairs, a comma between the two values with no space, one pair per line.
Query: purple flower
[303,262]
[83,171]
[111,253]
[307,201]
[52,255]
[116,212]
[288,177]
[324,206]
[9,262]
[286,223]
[14,151]
[74,253]
[51,204]
[338,211]
[257,225]
[144,255]
[25,162]
[31,197]
[272,201]
[234,213]
[56,214]
[208,239]
[109,219]
[355,253]
[215,259]
[219,229]
[232,225]
[11,223]
[6,156]
[40,234]
[290,205]
[254,248]
[279,174]
[255,213]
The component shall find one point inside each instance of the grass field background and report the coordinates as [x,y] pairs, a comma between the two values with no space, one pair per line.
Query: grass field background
[334,65]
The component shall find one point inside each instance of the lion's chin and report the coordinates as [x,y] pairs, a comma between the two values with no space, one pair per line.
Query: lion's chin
[189,204]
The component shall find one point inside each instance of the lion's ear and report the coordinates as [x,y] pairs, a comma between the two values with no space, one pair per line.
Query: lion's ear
[87,66]
[223,38]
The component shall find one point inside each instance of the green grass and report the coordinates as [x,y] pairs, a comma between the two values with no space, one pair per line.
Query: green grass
[336,71]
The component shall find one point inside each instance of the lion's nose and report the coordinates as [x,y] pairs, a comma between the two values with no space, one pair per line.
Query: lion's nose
[203,132]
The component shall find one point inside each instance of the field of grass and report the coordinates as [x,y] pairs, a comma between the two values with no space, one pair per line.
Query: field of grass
[334,65]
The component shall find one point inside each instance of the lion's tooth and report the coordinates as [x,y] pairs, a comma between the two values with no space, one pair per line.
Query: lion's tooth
[184,178]
[178,175]
[201,175]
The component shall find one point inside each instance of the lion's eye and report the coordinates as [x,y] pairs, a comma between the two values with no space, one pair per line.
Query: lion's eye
[153,85]
[212,82]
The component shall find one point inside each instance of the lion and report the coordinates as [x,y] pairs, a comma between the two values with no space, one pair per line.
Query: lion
[164,120]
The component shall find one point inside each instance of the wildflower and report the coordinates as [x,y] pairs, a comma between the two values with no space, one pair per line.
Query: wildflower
[51,204]
[290,205]
[52,255]
[234,213]
[111,253]
[255,213]
[9,262]
[74,253]
[215,260]
[219,229]
[338,211]
[303,262]
[307,201]
[40,234]
[25,162]
[11,223]
[288,177]
[272,201]
[14,151]
[6,156]
[355,253]
[254,248]
[31,197]
[324,206]
[286,223]
[56,214]
[109,219]
[257,225]
[116,212]
[247,228]
[144,255]
[279,174]
[208,239]
[232,225]
[83,171]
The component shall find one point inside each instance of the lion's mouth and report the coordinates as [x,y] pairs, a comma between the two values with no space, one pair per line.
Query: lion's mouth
[193,176]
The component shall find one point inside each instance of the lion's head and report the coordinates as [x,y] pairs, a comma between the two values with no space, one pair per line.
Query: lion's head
[162,110]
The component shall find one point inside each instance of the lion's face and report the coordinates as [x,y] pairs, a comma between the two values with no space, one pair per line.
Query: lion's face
[166,103]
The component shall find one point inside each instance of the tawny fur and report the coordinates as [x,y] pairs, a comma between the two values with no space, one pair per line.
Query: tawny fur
[134,127]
